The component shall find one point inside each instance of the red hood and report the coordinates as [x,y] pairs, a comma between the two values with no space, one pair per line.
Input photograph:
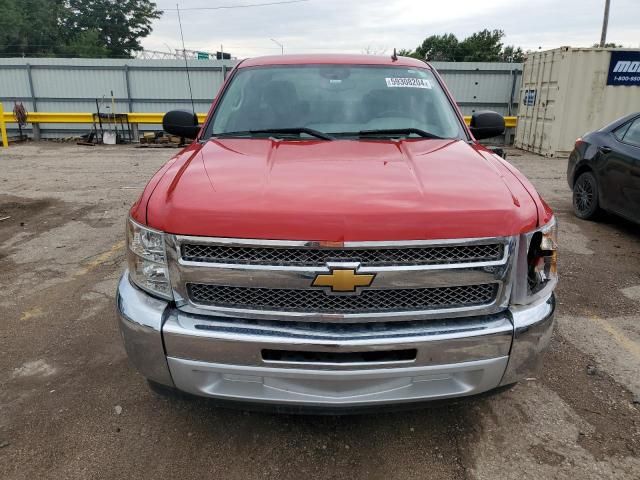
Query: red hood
[343,190]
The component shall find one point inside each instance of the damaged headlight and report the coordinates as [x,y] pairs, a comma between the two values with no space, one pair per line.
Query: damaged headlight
[537,269]
[147,260]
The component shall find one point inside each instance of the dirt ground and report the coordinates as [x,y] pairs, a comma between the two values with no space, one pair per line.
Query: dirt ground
[72,407]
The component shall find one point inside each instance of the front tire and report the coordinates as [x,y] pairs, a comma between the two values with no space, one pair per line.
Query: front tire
[585,197]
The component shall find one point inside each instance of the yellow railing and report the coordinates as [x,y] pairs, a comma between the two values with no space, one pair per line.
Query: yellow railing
[148,118]
[156,118]
[68,117]
[3,128]
[509,122]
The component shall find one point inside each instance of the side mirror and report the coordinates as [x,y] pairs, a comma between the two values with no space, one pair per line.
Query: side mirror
[486,124]
[181,123]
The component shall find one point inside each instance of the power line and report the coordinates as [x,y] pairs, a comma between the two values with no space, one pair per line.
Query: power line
[248,5]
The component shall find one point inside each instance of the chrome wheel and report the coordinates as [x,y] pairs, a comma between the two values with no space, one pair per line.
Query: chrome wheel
[585,196]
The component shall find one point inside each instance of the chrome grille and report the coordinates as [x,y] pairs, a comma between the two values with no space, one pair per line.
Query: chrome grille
[386,300]
[426,255]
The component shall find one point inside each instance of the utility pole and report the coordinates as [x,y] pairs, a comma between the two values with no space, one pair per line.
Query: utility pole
[605,23]
[279,44]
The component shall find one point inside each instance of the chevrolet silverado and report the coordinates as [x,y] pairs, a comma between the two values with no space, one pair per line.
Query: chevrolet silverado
[335,236]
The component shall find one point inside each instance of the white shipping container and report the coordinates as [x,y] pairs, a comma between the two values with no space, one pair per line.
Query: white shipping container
[564,94]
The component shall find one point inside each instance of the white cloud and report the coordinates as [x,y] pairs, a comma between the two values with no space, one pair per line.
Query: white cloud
[351,26]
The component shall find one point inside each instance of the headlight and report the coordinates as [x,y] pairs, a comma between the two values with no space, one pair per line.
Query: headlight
[537,269]
[147,260]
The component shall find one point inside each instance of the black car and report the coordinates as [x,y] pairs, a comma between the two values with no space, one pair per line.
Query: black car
[604,170]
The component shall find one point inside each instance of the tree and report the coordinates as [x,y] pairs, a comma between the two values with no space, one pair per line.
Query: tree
[512,54]
[438,48]
[75,27]
[405,52]
[119,25]
[86,44]
[608,45]
[483,46]
[30,27]
[372,50]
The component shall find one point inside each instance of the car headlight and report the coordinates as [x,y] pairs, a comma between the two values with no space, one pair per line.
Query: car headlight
[537,268]
[147,260]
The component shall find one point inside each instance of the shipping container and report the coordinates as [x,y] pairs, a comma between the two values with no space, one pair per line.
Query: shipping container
[567,92]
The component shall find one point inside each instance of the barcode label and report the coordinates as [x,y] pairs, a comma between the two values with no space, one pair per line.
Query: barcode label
[408,82]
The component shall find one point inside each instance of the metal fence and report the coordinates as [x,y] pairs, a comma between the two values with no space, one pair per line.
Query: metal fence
[74,85]
[483,85]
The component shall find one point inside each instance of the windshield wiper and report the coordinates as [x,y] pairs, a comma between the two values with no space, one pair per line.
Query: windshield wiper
[276,131]
[397,132]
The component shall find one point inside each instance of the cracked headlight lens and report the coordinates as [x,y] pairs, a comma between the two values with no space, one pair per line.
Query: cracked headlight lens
[147,260]
[542,259]
[537,273]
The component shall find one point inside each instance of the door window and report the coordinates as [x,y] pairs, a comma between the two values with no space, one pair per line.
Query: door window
[620,131]
[632,135]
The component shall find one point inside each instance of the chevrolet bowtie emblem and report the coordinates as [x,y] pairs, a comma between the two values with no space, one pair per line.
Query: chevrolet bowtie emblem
[343,280]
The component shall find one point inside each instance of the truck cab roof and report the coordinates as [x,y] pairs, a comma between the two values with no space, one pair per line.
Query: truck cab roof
[333,59]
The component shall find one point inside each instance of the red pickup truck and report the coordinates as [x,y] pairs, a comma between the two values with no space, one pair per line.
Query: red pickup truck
[334,237]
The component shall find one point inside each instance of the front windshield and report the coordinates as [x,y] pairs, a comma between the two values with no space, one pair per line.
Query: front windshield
[341,100]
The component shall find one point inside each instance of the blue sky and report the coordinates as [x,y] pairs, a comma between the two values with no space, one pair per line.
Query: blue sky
[380,25]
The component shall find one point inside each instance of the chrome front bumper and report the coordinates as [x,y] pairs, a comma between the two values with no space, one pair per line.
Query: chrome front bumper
[223,358]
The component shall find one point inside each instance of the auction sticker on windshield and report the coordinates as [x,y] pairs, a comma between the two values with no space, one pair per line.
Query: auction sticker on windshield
[408,82]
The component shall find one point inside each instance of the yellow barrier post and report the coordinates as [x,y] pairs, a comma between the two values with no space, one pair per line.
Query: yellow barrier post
[3,128]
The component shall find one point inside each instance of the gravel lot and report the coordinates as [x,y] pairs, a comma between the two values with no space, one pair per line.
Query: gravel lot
[72,407]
